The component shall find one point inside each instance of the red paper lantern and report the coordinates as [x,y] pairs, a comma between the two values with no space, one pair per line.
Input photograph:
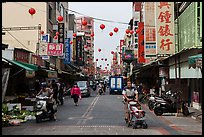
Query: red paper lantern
[57,33]
[85,46]
[102,26]
[112,52]
[74,34]
[105,67]
[96,59]
[31,11]
[107,64]
[127,31]
[111,33]
[71,42]
[60,18]
[115,29]
[131,31]
[55,37]
[102,59]
[105,59]
[42,32]
[92,35]
[137,31]
[100,65]
[84,23]
[99,50]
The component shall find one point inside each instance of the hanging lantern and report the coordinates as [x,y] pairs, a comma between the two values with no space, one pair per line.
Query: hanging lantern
[111,33]
[127,31]
[100,66]
[107,64]
[42,32]
[55,37]
[92,35]
[85,46]
[112,52]
[96,59]
[105,59]
[74,34]
[60,18]
[32,11]
[84,22]
[102,59]
[71,42]
[99,50]
[102,26]
[57,33]
[131,31]
[105,67]
[115,29]
[137,31]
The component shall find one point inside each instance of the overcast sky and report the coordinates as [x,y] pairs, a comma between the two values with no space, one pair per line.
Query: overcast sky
[114,11]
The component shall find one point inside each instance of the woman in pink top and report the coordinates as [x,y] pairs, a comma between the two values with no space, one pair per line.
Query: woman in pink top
[76,94]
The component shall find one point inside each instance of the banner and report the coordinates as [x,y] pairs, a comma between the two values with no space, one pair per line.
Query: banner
[55,49]
[61,33]
[42,48]
[141,56]
[67,57]
[121,44]
[149,31]
[165,27]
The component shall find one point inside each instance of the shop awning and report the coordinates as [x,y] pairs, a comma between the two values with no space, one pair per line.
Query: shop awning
[32,66]
[195,61]
[29,72]
[19,64]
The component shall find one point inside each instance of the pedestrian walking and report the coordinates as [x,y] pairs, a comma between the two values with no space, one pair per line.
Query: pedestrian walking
[76,94]
[55,90]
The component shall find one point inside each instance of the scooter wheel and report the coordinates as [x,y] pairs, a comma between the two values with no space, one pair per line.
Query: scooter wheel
[144,126]
[134,126]
[38,119]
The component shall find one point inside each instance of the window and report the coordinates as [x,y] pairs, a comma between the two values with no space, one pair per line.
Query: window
[58,6]
[62,10]
[50,13]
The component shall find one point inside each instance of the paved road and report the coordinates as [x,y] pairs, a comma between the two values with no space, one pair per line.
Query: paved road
[103,115]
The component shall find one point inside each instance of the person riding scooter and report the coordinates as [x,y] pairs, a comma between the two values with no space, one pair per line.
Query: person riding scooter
[47,92]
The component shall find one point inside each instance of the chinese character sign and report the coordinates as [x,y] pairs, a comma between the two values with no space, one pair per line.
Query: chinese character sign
[67,57]
[165,27]
[55,49]
[141,56]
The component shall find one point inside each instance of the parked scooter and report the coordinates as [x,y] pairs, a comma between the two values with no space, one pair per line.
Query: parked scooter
[42,109]
[169,106]
[152,100]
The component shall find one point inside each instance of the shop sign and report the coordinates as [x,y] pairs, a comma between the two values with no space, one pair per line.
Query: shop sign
[165,28]
[55,49]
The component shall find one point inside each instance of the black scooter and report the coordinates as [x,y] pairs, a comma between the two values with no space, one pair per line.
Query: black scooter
[169,106]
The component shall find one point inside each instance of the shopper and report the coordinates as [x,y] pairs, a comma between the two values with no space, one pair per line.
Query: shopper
[76,94]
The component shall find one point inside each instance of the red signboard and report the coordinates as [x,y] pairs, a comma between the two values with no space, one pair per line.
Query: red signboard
[141,57]
[21,55]
[55,49]
[121,44]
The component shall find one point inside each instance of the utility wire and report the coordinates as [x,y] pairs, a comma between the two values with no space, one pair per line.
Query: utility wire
[17,40]
[79,14]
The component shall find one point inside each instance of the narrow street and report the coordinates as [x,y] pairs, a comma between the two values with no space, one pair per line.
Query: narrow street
[103,115]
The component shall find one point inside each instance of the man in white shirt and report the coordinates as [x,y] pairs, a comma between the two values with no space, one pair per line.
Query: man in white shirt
[129,93]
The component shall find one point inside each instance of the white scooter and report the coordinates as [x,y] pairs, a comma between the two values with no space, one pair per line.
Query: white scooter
[42,109]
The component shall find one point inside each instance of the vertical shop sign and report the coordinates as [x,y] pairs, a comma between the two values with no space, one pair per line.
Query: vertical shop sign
[165,28]
[141,56]
[61,33]
[67,57]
